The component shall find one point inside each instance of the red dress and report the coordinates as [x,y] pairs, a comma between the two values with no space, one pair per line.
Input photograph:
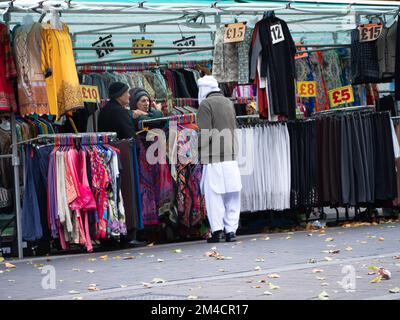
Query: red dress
[7,72]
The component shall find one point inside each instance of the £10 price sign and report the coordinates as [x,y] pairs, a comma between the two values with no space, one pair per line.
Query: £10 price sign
[90,93]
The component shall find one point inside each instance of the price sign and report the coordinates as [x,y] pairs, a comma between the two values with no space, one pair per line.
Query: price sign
[277,34]
[142,43]
[370,32]
[307,88]
[234,32]
[341,95]
[301,55]
[90,93]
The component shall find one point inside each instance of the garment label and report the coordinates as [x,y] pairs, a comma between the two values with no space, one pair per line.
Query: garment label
[307,88]
[370,32]
[341,95]
[140,43]
[90,93]
[234,32]
[277,33]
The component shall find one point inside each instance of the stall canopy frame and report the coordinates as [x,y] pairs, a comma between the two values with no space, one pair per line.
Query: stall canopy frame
[200,18]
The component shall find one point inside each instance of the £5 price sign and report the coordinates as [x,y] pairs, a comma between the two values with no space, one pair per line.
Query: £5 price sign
[370,32]
[234,32]
[90,93]
[307,88]
[341,95]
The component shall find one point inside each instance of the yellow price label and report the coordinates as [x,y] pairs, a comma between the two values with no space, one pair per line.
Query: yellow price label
[341,95]
[139,43]
[90,93]
[307,88]
[234,32]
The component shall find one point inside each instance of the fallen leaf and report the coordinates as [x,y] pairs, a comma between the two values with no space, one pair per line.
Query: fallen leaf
[90,271]
[177,250]
[334,251]
[266,238]
[385,274]
[77,298]
[160,260]
[396,257]
[376,280]
[76,270]
[312,260]
[349,249]
[117,258]
[1,259]
[260,260]
[328,259]
[253,239]
[363,242]
[92,259]
[258,268]
[318,270]
[310,234]
[123,285]
[158,280]
[151,244]
[288,238]
[373,268]
[329,239]
[129,258]
[104,258]
[381,239]
[214,248]
[146,285]
[395,290]
[273,287]
[273,275]
[267,293]
[9,265]
[320,278]
[358,277]
[221,270]
[323,296]
[256,287]
[228,258]
[73,292]
[192,297]
[324,284]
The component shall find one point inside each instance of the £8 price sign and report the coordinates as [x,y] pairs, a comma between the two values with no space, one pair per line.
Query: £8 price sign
[90,93]
[307,88]
[341,95]
[234,32]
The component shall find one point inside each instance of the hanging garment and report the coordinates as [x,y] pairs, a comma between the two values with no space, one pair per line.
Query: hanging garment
[7,72]
[364,60]
[277,63]
[58,65]
[32,95]
[226,59]
[243,57]
[386,45]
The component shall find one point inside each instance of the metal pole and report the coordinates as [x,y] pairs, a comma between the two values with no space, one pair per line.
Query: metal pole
[15,162]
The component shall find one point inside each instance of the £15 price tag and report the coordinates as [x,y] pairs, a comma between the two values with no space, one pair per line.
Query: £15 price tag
[307,88]
[341,95]
[234,32]
[370,32]
[138,43]
[90,93]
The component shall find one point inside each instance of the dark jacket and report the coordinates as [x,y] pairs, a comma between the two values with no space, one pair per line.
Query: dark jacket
[216,112]
[115,118]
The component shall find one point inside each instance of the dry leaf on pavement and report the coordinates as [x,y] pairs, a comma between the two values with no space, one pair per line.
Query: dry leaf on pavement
[9,265]
[318,270]
[273,276]
[312,260]
[328,259]
[104,257]
[329,239]
[158,280]
[258,268]
[288,238]
[323,296]
[76,269]
[151,244]
[349,249]
[192,297]
[92,259]
[160,260]
[90,271]
[260,260]
[381,239]
[221,270]
[128,258]
[320,278]
[395,290]
[266,238]
[73,292]
[385,274]
[376,280]
[1,259]
[324,284]
[77,298]
[177,250]
[267,293]
[273,287]
[123,285]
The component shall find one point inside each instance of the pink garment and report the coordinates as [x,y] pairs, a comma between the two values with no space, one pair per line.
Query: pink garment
[72,191]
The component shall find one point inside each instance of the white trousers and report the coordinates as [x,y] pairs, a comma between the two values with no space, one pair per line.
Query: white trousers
[223,210]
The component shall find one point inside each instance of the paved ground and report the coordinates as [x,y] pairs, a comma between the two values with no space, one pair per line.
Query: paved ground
[184,271]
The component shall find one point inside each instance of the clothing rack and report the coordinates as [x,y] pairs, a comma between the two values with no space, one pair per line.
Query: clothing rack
[58,136]
[360,108]
[187,118]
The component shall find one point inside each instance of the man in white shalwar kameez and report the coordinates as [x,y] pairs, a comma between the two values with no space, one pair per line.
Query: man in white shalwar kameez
[221,182]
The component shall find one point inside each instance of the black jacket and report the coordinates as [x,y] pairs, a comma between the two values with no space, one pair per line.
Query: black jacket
[115,118]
